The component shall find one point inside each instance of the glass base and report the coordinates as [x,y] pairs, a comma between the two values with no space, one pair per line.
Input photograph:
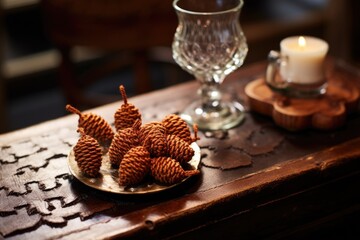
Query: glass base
[223,117]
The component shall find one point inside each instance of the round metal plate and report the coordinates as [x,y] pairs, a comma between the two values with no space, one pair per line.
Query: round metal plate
[108,177]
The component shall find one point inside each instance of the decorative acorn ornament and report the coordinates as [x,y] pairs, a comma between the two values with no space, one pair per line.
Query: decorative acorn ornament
[175,125]
[127,114]
[88,155]
[153,137]
[123,141]
[93,125]
[178,149]
[134,167]
[167,171]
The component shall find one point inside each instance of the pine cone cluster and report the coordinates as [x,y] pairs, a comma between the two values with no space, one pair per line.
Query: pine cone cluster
[168,151]
[159,150]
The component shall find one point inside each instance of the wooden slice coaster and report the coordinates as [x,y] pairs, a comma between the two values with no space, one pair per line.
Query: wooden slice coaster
[326,112]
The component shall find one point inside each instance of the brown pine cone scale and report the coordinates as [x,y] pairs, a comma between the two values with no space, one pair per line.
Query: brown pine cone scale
[175,125]
[88,155]
[123,141]
[167,171]
[134,166]
[94,125]
[178,149]
[127,114]
[153,137]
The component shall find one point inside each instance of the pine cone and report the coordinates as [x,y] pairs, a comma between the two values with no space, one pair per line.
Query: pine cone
[168,171]
[178,149]
[146,128]
[87,153]
[134,167]
[177,126]
[153,137]
[127,114]
[123,141]
[93,125]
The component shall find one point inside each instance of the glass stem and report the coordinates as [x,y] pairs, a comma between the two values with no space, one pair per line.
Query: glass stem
[210,96]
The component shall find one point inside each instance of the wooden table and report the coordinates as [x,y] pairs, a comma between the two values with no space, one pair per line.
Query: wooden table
[299,184]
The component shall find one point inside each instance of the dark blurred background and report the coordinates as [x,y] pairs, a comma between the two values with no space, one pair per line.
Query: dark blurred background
[48,48]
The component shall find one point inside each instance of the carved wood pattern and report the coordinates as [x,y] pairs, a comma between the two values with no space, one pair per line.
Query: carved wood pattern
[39,196]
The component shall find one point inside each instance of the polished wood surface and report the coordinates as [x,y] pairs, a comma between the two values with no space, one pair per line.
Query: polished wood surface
[296,182]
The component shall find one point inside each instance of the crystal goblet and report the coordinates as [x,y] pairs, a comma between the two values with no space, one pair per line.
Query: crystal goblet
[210,44]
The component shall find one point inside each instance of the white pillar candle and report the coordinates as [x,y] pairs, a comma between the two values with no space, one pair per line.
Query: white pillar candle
[304,59]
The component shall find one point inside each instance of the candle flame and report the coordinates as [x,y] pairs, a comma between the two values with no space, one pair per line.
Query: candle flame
[302,42]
